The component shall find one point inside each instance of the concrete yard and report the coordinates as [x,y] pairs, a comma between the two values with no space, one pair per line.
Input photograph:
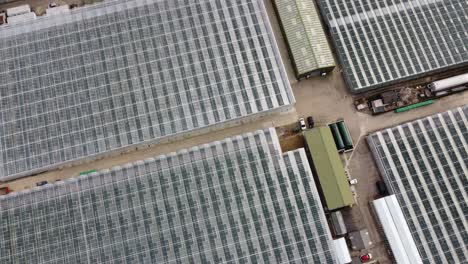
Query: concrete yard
[326,99]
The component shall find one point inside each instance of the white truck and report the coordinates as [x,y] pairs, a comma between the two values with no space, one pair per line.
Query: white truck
[18,10]
[21,19]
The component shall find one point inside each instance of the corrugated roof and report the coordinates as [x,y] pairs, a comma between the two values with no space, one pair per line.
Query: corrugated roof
[341,250]
[305,35]
[329,168]
[396,230]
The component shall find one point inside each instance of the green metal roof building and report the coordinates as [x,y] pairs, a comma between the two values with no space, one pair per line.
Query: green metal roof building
[329,168]
[308,46]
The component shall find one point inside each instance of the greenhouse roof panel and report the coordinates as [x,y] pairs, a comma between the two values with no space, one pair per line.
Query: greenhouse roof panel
[239,199]
[424,163]
[381,43]
[121,73]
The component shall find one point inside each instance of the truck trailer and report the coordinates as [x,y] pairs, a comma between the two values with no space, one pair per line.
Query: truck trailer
[449,83]
[18,10]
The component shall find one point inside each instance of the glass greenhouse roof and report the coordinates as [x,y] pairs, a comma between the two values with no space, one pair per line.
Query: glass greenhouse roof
[424,163]
[120,73]
[387,41]
[238,200]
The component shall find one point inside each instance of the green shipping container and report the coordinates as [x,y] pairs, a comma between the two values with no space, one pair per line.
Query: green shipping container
[413,106]
[348,142]
[336,137]
[87,172]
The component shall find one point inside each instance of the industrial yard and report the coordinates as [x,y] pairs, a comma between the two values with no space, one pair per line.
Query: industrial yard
[270,129]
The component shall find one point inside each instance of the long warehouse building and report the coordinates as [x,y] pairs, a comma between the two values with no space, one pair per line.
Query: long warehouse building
[330,172]
[305,37]
[396,229]
[239,200]
[119,74]
[380,43]
[424,163]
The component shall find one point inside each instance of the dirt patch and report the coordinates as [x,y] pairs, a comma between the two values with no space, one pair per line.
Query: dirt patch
[292,142]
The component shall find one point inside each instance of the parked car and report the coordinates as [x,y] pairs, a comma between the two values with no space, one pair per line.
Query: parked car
[311,122]
[302,123]
[353,181]
[42,183]
[366,257]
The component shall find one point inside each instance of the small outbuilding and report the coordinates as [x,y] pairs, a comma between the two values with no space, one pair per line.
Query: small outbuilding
[396,230]
[360,239]
[342,251]
[18,10]
[305,37]
[378,106]
[338,223]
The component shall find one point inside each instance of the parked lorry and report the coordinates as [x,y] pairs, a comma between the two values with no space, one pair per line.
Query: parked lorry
[18,10]
[21,19]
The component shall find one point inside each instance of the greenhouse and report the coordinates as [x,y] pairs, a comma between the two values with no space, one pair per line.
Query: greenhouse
[119,74]
[238,200]
[382,43]
[424,163]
